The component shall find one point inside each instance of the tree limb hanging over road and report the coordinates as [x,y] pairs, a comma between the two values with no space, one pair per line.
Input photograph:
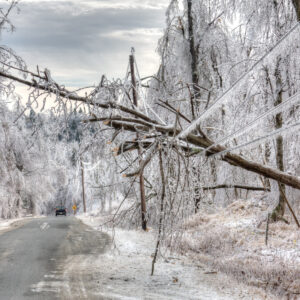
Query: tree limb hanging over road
[144,124]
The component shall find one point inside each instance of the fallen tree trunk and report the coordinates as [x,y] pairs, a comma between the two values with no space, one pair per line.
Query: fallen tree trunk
[204,142]
[268,172]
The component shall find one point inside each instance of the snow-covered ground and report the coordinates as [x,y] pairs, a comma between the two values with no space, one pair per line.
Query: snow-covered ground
[215,257]
[233,241]
[5,224]
[123,272]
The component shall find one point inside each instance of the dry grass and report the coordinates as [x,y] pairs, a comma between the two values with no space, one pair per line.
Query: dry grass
[233,241]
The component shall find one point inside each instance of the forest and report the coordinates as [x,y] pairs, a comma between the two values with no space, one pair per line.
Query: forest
[205,151]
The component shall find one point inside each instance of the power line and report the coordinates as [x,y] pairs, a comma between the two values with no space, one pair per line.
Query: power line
[221,98]
[291,101]
[275,132]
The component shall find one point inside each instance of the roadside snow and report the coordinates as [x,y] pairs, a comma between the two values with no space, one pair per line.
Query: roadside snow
[4,224]
[123,272]
[9,224]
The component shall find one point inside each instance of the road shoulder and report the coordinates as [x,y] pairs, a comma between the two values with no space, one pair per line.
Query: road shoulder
[124,272]
[12,224]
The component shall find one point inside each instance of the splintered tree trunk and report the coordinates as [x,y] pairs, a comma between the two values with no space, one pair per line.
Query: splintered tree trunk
[280,208]
[141,175]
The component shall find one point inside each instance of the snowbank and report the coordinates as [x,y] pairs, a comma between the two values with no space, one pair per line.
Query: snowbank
[9,224]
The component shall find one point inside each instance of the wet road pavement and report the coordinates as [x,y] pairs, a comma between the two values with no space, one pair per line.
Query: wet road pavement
[32,254]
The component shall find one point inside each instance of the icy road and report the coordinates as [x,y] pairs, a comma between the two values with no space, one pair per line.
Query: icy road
[32,256]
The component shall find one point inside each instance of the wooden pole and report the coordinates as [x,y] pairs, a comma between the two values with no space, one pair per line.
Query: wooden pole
[82,182]
[141,176]
[133,81]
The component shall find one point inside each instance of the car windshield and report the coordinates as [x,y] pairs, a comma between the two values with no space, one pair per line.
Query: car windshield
[60,207]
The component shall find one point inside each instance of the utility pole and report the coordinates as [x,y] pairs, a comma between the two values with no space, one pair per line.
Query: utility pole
[141,176]
[82,182]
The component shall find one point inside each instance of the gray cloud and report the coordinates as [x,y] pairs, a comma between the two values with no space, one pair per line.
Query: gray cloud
[79,41]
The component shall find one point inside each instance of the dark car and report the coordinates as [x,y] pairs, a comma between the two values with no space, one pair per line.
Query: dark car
[60,210]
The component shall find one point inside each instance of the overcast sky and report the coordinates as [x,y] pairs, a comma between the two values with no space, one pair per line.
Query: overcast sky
[79,40]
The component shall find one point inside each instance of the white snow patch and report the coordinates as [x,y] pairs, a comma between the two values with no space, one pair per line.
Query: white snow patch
[8,224]
[124,272]
[44,286]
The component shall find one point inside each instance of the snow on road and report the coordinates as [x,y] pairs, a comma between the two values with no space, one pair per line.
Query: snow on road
[124,272]
[9,224]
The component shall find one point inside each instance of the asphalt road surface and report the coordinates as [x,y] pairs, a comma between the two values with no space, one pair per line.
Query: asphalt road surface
[32,254]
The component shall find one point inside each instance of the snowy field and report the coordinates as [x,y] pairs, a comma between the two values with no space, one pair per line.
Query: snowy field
[123,272]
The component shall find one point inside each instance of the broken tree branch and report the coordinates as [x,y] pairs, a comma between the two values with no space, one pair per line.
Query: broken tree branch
[236,186]
[72,96]
[230,158]
[143,163]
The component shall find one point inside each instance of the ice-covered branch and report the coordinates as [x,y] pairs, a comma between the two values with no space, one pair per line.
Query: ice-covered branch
[70,95]
[143,163]
[225,97]
[236,186]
